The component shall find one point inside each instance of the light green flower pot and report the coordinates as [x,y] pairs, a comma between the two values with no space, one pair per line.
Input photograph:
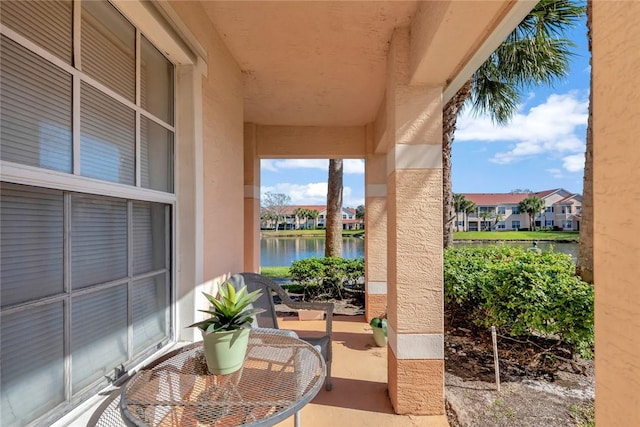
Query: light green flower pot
[225,351]
[379,336]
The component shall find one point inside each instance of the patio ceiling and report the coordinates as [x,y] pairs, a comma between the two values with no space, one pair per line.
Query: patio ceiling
[324,63]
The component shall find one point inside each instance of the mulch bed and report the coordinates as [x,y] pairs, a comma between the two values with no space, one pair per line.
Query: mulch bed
[469,355]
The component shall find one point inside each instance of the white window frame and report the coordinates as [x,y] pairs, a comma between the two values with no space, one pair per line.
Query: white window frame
[163,29]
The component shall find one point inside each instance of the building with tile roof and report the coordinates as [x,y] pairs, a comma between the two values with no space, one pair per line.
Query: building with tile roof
[499,211]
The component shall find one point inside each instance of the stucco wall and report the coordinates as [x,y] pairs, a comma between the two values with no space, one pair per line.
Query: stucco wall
[616,154]
[222,109]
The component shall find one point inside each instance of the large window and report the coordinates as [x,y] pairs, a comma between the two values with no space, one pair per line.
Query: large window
[515,225]
[86,277]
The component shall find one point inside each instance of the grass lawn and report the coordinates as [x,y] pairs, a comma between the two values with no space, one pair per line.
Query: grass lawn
[280,271]
[571,236]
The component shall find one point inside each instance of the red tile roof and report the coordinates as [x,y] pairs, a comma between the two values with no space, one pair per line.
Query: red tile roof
[492,199]
[289,210]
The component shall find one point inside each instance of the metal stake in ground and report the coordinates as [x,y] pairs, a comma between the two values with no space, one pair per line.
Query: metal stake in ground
[496,366]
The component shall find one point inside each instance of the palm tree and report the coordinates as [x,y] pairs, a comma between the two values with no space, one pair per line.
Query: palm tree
[532,205]
[301,214]
[535,53]
[313,215]
[498,217]
[333,245]
[485,215]
[458,203]
[467,207]
[584,264]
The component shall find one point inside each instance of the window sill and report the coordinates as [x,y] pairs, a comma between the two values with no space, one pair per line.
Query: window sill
[80,416]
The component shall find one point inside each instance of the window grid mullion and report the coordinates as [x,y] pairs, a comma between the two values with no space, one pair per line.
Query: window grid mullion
[76,31]
[67,289]
[75,124]
[168,243]
[34,48]
[130,281]
[138,180]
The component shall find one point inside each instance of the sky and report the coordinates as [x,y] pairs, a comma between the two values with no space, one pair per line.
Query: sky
[541,148]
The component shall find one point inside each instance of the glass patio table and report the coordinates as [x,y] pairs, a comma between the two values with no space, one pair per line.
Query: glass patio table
[279,376]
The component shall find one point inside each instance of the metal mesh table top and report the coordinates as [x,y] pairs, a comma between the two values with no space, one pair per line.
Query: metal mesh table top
[279,376]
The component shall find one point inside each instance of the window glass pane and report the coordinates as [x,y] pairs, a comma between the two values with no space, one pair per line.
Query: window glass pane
[46,23]
[156,82]
[98,240]
[98,335]
[108,47]
[149,311]
[32,369]
[149,237]
[35,112]
[31,232]
[156,156]
[107,138]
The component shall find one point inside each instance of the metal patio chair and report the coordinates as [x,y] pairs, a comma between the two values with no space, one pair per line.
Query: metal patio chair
[269,319]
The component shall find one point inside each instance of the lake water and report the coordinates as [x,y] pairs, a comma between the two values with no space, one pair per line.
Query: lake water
[277,251]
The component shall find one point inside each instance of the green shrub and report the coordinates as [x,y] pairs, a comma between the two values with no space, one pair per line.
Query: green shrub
[328,277]
[521,292]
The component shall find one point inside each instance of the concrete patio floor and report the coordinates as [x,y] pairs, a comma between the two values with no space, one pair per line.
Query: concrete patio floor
[359,396]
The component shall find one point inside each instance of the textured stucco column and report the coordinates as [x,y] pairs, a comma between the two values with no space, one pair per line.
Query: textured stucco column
[375,243]
[616,201]
[414,240]
[251,201]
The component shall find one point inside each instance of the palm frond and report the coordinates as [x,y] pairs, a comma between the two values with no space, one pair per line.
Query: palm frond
[535,53]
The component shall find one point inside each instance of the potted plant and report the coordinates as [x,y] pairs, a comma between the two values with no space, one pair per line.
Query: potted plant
[226,333]
[379,327]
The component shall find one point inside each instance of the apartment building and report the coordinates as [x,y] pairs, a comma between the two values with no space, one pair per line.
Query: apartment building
[499,211]
[296,222]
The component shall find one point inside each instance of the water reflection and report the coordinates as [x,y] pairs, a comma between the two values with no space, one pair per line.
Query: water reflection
[276,251]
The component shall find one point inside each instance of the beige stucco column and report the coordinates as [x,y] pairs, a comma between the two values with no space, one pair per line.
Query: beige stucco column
[375,244]
[414,239]
[251,200]
[616,202]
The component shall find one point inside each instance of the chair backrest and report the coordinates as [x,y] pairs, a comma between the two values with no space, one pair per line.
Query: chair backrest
[268,318]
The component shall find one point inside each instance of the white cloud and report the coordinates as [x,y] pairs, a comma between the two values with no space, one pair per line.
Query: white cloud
[267,164]
[555,173]
[350,166]
[574,163]
[554,127]
[353,166]
[302,164]
[313,193]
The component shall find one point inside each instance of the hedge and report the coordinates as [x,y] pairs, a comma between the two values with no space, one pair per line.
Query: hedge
[521,292]
[328,277]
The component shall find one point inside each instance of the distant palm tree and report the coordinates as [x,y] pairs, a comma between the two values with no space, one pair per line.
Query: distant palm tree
[535,53]
[468,207]
[532,205]
[313,215]
[486,216]
[497,217]
[458,203]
